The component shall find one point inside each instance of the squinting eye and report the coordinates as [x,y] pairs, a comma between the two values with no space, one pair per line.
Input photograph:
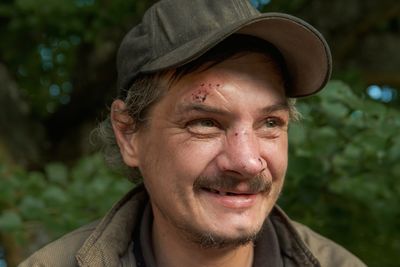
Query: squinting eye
[271,123]
[203,127]
[206,123]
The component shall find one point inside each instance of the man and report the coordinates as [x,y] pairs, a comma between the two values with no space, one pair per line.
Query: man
[202,116]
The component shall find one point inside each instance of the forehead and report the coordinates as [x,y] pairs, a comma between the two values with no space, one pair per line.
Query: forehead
[217,58]
[252,67]
[253,73]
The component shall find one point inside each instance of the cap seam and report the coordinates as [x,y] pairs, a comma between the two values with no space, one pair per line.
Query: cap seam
[238,9]
[152,37]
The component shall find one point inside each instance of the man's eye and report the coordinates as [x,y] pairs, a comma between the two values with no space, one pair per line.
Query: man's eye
[272,127]
[206,123]
[272,123]
[203,126]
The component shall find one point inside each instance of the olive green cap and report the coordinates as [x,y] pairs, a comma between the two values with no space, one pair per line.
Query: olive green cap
[175,32]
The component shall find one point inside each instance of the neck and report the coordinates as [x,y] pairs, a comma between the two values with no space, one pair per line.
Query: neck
[171,249]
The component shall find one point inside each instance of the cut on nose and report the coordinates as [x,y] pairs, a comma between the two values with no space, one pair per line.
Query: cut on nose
[241,155]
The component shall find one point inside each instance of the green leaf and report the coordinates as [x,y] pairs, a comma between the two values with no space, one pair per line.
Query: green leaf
[10,221]
[54,195]
[297,134]
[57,173]
[31,207]
[334,110]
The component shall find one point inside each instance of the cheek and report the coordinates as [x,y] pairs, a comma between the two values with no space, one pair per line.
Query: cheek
[276,155]
[177,158]
[194,158]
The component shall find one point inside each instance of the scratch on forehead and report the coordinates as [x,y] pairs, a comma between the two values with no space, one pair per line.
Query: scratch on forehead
[199,95]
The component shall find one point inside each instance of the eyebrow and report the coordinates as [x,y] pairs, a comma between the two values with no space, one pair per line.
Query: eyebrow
[276,107]
[190,107]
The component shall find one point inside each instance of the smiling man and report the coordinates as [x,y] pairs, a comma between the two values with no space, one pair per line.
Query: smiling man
[214,152]
[205,101]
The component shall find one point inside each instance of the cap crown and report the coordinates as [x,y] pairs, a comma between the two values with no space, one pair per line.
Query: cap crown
[171,24]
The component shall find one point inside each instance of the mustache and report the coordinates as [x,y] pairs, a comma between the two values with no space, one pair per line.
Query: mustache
[226,183]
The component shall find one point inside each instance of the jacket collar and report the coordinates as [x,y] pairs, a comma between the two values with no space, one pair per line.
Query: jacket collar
[292,245]
[112,237]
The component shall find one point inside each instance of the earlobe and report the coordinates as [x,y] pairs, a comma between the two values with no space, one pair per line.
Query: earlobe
[123,125]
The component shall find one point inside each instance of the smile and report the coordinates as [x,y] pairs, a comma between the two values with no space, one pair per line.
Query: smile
[231,200]
[227,193]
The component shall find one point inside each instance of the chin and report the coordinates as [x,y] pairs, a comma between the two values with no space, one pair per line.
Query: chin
[230,236]
[211,240]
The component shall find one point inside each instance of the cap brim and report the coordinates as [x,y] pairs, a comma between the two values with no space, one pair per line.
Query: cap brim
[306,53]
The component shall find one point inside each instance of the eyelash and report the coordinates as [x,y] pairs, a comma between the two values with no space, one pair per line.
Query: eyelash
[198,122]
[278,121]
[205,120]
[203,127]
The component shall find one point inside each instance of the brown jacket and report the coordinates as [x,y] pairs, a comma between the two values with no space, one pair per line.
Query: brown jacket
[109,242]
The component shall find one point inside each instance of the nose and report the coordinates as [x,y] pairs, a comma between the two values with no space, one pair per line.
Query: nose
[241,154]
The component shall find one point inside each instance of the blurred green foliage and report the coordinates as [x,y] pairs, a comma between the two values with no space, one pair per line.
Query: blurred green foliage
[57,200]
[343,172]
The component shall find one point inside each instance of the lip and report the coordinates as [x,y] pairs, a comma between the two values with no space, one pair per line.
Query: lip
[238,200]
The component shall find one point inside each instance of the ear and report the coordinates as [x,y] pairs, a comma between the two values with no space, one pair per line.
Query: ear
[123,125]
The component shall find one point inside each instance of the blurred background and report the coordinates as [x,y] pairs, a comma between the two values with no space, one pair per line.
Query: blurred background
[57,80]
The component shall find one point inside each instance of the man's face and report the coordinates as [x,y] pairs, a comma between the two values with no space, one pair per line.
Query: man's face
[214,152]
